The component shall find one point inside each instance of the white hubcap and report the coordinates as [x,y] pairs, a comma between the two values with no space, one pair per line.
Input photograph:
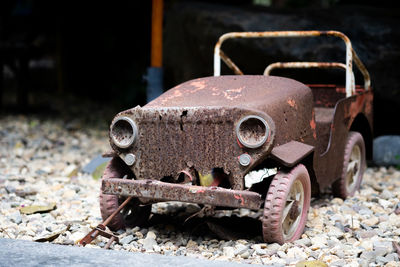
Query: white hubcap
[353,168]
[293,209]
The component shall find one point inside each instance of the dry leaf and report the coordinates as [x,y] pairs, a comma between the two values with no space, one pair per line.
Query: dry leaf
[37,209]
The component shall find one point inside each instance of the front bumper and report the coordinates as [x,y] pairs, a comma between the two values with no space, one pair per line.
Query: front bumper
[161,191]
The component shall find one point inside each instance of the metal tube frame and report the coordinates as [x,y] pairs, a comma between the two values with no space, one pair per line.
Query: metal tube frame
[350,53]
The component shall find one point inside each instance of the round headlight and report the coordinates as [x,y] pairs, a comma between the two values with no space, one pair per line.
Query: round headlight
[123,132]
[252,131]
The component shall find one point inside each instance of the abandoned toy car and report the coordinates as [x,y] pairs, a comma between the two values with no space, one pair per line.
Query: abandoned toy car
[242,141]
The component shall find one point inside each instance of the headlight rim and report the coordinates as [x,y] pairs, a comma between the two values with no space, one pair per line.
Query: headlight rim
[265,138]
[132,139]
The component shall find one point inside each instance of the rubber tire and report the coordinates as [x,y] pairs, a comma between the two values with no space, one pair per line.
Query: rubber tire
[339,188]
[275,204]
[116,168]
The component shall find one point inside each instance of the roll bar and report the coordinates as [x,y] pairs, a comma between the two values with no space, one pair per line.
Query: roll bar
[350,55]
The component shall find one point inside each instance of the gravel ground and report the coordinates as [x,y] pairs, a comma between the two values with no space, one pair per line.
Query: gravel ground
[40,163]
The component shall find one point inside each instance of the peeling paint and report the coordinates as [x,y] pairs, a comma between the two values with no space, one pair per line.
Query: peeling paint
[292,103]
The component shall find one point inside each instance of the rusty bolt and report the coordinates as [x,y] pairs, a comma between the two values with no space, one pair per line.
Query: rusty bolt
[244,159]
[130,159]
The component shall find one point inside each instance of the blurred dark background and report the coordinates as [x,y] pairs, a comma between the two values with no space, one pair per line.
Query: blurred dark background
[66,53]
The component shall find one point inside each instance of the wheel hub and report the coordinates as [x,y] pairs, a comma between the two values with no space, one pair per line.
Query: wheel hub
[353,168]
[293,209]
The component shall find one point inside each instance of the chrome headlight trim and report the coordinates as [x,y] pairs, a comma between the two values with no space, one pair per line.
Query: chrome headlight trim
[240,130]
[123,132]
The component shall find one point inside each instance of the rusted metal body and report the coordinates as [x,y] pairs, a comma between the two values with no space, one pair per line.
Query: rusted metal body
[193,125]
[235,124]
[161,191]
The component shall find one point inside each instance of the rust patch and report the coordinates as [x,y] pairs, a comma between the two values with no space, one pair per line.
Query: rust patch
[292,103]
[232,94]
[313,125]
[200,85]
[175,94]
[160,191]
[239,197]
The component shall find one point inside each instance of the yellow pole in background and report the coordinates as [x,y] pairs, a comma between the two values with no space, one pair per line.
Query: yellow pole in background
[156,33]
[155,72]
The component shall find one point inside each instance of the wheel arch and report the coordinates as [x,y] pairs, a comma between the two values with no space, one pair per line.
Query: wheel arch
[360,124]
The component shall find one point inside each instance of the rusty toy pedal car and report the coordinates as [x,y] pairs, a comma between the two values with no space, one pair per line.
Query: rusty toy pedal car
[242,141]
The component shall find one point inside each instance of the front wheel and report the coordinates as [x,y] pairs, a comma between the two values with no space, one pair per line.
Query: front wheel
[354,164]
[286,206]
[133,214]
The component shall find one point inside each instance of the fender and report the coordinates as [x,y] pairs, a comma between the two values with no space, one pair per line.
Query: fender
[291,153]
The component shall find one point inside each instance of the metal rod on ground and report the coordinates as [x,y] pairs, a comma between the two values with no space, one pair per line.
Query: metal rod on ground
[100,229]
[108,220]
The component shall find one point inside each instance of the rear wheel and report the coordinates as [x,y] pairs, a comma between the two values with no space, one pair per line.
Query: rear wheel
[133,214]
[286,206]
[354,164]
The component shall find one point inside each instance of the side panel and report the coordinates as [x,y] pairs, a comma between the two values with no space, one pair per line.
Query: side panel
[328,166]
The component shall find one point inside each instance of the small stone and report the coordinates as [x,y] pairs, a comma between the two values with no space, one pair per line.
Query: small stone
[239,249]
[191,244]
[337,201]
[397,209]
[148,243]
[126,240]
[259,250]
[386,194]
[229,252]
[77,236]
[139,235]
[319,241]
[367,245]
[384,247]
[381,260]
[339,263]
[392,257]
[303,242]
[281,254]
[156,248]
[135,229]
[334,231]
[70,171]
[296,253]
[274,247]
[371,221]
[15,217]
[245,255]
[314,263]
[68,194]
[365,211]
[385,203]
[392,264]
[366,234]
[10,189]
[151,234]
[368,255]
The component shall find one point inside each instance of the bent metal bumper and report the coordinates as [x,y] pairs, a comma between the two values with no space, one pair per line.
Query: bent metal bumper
[161,191]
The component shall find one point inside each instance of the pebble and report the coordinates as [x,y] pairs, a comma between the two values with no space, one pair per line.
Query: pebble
[15,217]
[151,234]
[303,242]
[240,249]
[259,251]
[319,241]
[148,243]
[46,168]
[229,252]
[371,221]
[126,240]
